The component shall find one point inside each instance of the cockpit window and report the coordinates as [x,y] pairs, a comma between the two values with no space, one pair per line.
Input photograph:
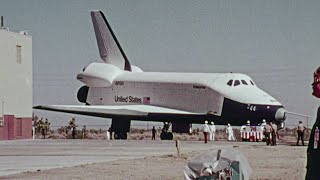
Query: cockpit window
[244,82]
[251,82]
[230,82]
[236,82]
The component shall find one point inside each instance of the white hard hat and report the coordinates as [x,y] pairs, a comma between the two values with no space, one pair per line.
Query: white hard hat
[212,122]
[206,122]
[228,124]
[263,120]
[248,122]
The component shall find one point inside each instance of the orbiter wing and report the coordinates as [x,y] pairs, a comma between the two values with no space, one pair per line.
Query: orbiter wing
[133,112]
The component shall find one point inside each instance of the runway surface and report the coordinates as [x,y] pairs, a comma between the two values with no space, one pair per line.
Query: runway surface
[31,155]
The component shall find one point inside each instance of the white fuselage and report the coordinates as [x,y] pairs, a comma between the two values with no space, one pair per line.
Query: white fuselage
[194,92]
[223,95]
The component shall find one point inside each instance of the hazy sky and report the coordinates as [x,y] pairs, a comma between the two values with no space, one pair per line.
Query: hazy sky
[277,43]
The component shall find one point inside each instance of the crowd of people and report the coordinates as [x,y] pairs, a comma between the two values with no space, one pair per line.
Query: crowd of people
[269,132]
[269,129]
[210,131]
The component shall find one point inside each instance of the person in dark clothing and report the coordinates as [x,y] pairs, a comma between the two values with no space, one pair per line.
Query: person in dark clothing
[74,132]
[274,134]
[110,132]
[300,131]
[154,132]
[313,151]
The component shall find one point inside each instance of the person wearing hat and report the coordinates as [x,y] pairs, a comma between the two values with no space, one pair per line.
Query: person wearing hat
[230,133]
[248,123]
[262,127]
[205,130]
[313,151]
[212,131]
[263,124]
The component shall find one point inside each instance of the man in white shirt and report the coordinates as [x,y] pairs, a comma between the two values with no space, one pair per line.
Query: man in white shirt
[230,133]
[205,130]
[263,124]
[212,131]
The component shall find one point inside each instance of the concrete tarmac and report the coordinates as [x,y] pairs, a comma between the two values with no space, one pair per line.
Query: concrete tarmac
[32,155]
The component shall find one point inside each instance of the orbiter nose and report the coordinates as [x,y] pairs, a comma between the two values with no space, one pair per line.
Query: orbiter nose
[280,115]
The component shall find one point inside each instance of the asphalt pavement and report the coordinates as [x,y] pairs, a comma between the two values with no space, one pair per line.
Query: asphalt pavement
[17,156]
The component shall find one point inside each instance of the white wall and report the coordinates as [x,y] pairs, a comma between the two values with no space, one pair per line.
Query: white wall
[15,78]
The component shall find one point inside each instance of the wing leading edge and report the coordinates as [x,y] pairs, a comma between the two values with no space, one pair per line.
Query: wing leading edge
[133,112]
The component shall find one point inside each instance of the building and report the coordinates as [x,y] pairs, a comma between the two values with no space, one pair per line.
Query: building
[15,85]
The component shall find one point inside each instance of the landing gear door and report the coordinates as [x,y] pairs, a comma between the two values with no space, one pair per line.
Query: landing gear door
[215,103]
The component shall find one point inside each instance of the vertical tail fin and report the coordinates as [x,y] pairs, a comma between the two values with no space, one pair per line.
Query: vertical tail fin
[109,47]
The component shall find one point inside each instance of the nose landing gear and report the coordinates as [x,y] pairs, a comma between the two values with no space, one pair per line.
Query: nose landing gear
[165,135]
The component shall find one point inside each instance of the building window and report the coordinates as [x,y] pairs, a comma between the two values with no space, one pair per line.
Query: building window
[1,122]
[18,47]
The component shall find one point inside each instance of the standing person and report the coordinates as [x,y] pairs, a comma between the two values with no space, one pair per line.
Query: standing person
[313,151]
[267,133]
[230,133]
[46,126]
[84,131]
[274,134]
[43,129]
[261,129]
[205,130]
[108,134]
[300,131]
[263,124]
[154,132]
[74,132]
[212,131]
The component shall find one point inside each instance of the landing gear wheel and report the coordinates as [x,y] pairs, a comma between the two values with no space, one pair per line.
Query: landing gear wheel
[169,136]
[166,136]
[120,135]
[117,135]
[163,136]
[124,135]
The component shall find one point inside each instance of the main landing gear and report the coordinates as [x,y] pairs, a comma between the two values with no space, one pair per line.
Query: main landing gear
[165,135]
[120,127]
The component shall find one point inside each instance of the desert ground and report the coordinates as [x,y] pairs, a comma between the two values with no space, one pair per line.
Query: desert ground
[141,158]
